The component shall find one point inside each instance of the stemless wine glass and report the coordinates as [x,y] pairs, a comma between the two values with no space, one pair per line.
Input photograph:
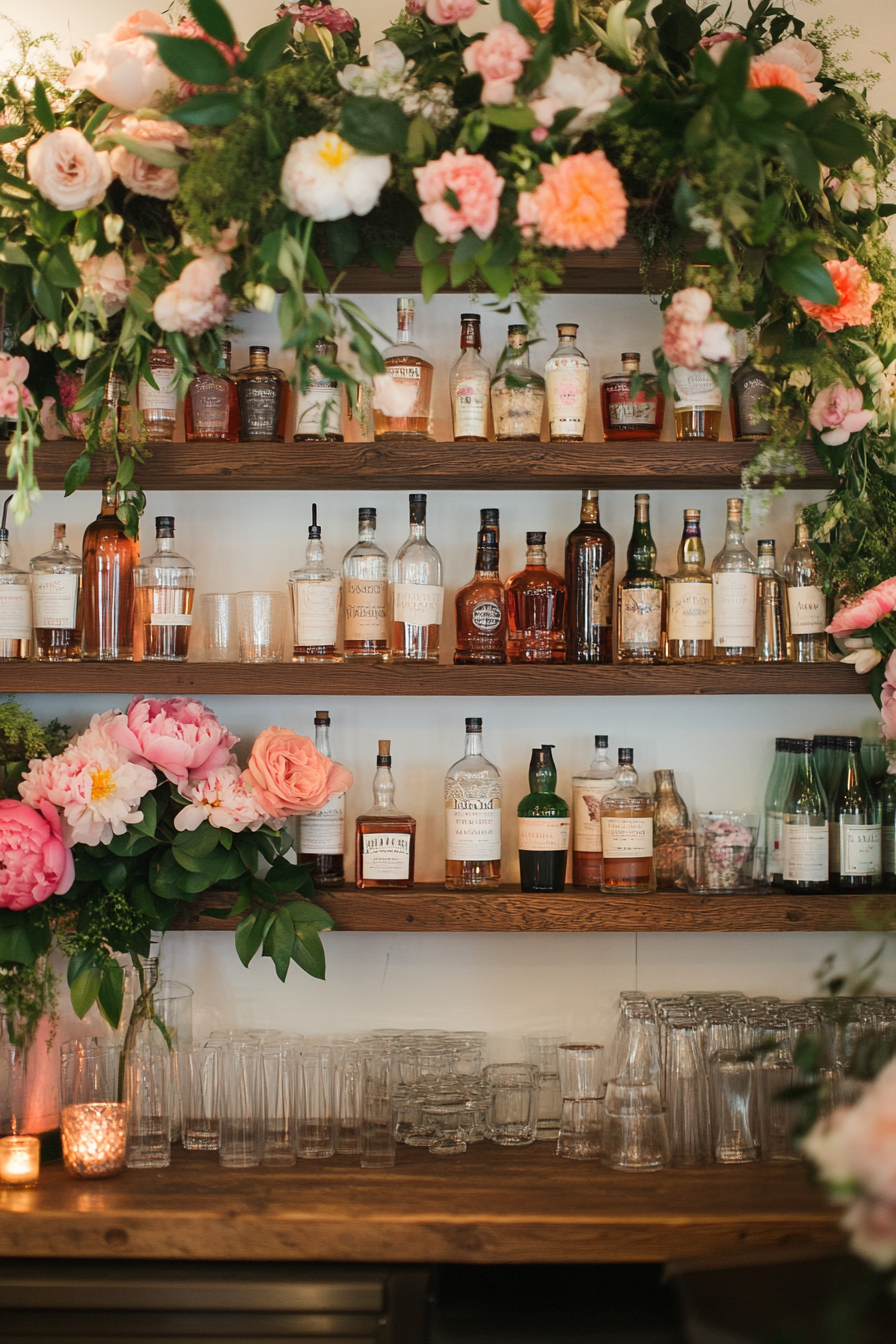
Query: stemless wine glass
[316,1125]
[198,1077]
[377,1129]
[148,1095]
[279,1080]
[242,1106]
[686,1093]
[731,1092]
[216,639]
[262,619]
[513,1113]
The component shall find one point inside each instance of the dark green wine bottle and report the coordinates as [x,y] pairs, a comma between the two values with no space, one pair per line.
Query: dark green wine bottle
[543,827]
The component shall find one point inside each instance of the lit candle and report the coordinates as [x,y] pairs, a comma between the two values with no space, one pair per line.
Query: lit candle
[94,1138]
[19,1159]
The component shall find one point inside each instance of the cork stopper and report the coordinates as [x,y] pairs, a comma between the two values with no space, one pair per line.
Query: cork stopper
[59,531]
[384,746]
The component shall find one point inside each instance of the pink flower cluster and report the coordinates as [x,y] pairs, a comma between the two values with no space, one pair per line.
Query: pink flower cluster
[499,58]
[837,412]
[450,11]
[335,20]
[857,294]
[476,185]
[138,174]
[34,861]
[190,28]
[195,302]
[222,799]
[690,339]
[14,370]
[866,610]
[182,738]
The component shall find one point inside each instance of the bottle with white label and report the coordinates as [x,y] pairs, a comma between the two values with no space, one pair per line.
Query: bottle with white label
[158,404]
[418,595]
[468,385]
[480,608]
[855,848]
[807,604]
[320,836]
[772,622]
[315,593]
[588,789]
[698,404]
[318,414]
[15,601]
[384,836]
[567,377]
[689,599]
[734,585]
[56,601]
[365,593]
[410,366]
[639,597]
[473,792]
[775,797]
[164,585]
[544,827]
[804,826]
[626,824]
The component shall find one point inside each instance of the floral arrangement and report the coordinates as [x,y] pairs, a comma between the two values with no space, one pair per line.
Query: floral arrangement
[109,835]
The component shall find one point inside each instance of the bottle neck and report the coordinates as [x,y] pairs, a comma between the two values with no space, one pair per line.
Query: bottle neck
[641,549]
[405,334]
[314,553]
[691,551]
[626,776]
[418,530]
[665,781]
[110,501]
[367,531]
[4,551]
[486,560]
[536,557]
[164,545]
[258,359]
[519,355]
[543,778]
[601,758]
[322,739]
[801,536]
[59,544]
[734,531]
[470,336]
[766,561]
[383,788]
[589,511]
[473,744]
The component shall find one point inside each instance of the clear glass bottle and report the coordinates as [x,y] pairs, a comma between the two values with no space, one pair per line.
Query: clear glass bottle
[407,362]
[671,831]
[749,387]
[806,603]
[536,609]
[15,601]
[567,376]
[640,595]
[590,560]
[772,625]
[517,392]
[855,831]
[544,826]
[689,599]
[626,823]
[418,594]
[56,601]
[319,406]
[480,608]
[365,588]
[734,583]
[212,405]
[320,836]
[588,788]
[775,798]
[468,385]
[315,593]
[111,411]
[158,405]
[627,415]
[164,585]
[384,836]
[804,825]
[264,398]
[698,404]
[473,793]
[108,559]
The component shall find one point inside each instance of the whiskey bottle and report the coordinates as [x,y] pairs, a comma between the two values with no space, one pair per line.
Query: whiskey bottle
[384,837]
[480,609]
[536,609]
[315,594]
[806,603]
[56,601]
[626,824]
[320,838]
[319,405]
[490,520]
[804,828]
[640,595]
[108,559]
[212,405]
[164,585]
[698,404]
[469,385]
[749,388]
[689,599]
[365,586]
[263,393]
[517,392]
[590,557]
[417,593]
[855,831]
[567,375]
[734,582]
[407,362]
[772,632]
[15,601]
[158,405]
[588,789]
[628,415]
[543,820]
[473,792]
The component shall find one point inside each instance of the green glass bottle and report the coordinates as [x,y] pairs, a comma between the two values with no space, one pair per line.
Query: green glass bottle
[640,595]
[805,825]
[886,798]
[775,796]
[855,831]
[544,827]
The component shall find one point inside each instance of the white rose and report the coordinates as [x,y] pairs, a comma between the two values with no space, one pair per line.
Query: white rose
[715,342]
[577,80]
[127,74]
[386,66]
[67,171]
[105,283]
[325,178]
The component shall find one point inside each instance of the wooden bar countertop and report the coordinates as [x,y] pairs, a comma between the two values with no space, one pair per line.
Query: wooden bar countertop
[490,1205]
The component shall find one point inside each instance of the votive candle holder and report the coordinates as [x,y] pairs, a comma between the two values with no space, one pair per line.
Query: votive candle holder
[19,1159]
[94,1139]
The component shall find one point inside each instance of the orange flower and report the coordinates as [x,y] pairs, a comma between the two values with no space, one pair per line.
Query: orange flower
[542,12]
[578,203]
[768,75]
[857,294]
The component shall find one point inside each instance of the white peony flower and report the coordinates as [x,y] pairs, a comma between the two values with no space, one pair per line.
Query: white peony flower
[577,80]
[863,659]
[858,190]
[393,396]
[386,71]
[221,800]
[325,178]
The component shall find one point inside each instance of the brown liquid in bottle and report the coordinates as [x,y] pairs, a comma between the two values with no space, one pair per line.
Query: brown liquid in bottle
[109,558]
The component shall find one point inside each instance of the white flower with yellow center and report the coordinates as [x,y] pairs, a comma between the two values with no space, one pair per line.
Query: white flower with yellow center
[325,178]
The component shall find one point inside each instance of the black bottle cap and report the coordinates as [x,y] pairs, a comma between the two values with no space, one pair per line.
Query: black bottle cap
[418,508]
[488,516]
[165,526]
[853,743]
[473,725]
[314,530]
[535,538]
[366,514]
[802,746]
[322,716]
[783,743]
[820,740]
[601,742]
[259,349]
[542,756]
[626,755]
[470,317]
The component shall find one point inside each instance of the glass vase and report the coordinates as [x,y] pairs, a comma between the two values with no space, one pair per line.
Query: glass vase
[671,831]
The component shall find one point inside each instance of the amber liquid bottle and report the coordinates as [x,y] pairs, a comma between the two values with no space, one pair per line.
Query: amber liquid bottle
[590,557]
[480,608]
[627,416]
[536,609]
[626,823]
[212,405]
[384,837]
[109,559]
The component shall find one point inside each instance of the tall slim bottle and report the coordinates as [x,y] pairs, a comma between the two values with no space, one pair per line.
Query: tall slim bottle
[886,797]
[805,825]
[384,836]
[473,792]
[321,834]
[590,557]
[626,822]
[807,604]
[734,583]
[315,593]
[640,595]
[418,595]
[772,625]
[567,376]
[775,797]
[109,559]
[855,827]
[543,827]
[469,385]
[365,587]
[15,601]
[588,788]
[689,599]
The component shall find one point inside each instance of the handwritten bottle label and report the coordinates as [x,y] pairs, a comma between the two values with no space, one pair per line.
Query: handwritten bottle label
[734,610]
[544,834]
[55,598]
[365,609]
[473,830]
[690,610]
[627,837]
[417,603]
[808,610]
[323,832]
[386,856]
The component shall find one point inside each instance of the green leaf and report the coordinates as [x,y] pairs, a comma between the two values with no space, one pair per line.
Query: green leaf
[8,133]
[461,272]
[562,31]
[513,118]
[192,58]
[838,142]
[15,945]
[84,984]
[49,300]
[304,915]
[285,877]
[249,935]
[96,121]
[432,278]
[343,241]
[111,993]
[734,69]
[373,125]
[14,255]
[60,268]
[197,843]
[265,49]
[77,473]
[214,19]
[208,109]
[512,12]
[799,159]
[801,272]
[427,245]
[278,943]
[499,279]
[143,149]
[44,113]
[308,953]
[115,875]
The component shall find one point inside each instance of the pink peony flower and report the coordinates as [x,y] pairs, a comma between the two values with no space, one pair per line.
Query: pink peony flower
[839,412]
[221,799]
[195,302]
[67,171]
[802,58]
[715,342]
[857,294]
[499,58]
[859,1142]
[139,175]
[122,67]
[767,75]
[288,776]
[718,43]
[14,370]
[866,611]
[888,703]
[871,1224]
[450,11]
[336,20]
[477,187]
[34,862]
[180,737]
[393,396]
[580,202]
[105,283]
[136,24]
[691,305]
[542,12]
[689,338]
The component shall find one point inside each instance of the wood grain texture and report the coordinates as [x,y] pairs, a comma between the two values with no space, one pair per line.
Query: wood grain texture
[490,1206]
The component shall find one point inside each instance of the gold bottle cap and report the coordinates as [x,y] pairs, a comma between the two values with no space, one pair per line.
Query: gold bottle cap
[692,515]
[735,508]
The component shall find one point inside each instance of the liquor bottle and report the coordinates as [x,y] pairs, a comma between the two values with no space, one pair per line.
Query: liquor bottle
[108,559]
[319,406]
[320,838]
[264,394]
[15,601]
[384,837]
[111,411]
[56,601]
[775,798]
[473,792]
[408,363]
[365,585]
[640,595]
[158,405]
[536,609]
[517,392]
[886,796]
[212,405]
[567,375]
[480,609]
[315,594]
[806,603]
[698,404]
[855,849]
[689,599]
[671,831]
[804,825]
[627,415]
[469,385]
[827,761]
[590,557]
[543,827]
[417,592]
[772,625]
[164,585]
[734,584]
[749,387]
[626,824]
[588,788]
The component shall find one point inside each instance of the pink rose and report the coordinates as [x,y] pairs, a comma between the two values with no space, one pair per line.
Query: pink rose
[138,174]
[715,342]
[34,862]
[691,304]
[801,57]
[136,24]
[450,11]
[871,1224]
[718,43]
[288,776]
[180,737]
[859,1139]
[105,283]
[323,15]
[67,171]
[838,411]
[866,611]
[195,302]
[477,187]
[499,58]
[123,67]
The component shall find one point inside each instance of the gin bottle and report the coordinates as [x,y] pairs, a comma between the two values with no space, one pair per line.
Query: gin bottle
[384,836]
[734,582]
[315,592]
[772,643]
[590,557]
[164,586]
[417,592]
[56,601]
[517,392]
[640,595]
[804,825]
[689,599]
[806,603]
[15,601]
[473,792]
[320,839]
[589,787]
[407,362]
[365,585]
[469,385]
[626,823]
[567,376]
[855,848]
[544,826]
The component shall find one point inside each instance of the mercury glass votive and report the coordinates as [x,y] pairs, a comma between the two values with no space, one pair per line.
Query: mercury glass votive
[19,1159]
[94,1138]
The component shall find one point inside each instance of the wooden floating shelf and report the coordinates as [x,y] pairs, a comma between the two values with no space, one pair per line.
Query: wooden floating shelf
[634,465]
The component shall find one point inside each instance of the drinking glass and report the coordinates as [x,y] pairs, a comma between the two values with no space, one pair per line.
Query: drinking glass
[215,638]
[262,619]
[635,1140]
[13,1059]
[777,1118]
[449,1132]
[635,1055]
[241,1099]
[513,1110]
[622,1095]
[731,1092]
[87,1072]
[542,1052]
[723,851]
[198,1077]
[147,1077]
[377,1130]
[580,1068]
[278,1066]
[316,1123]
[686,1093]
[348,1103]
[580,1129]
